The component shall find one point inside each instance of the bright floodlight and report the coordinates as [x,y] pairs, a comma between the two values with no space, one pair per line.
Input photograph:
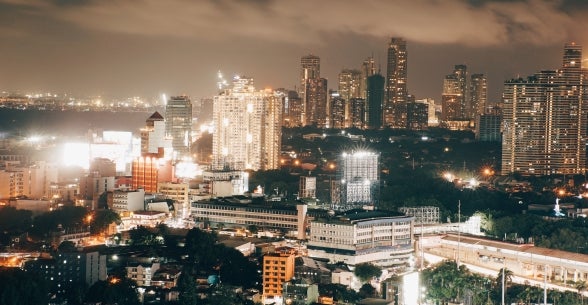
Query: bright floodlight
[410,288]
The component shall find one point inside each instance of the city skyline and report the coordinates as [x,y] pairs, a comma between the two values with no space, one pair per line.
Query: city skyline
[150,48]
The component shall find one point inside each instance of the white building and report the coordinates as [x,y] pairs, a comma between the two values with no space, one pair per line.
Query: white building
[153,137]
[226,183]
[180,193]
[142,274]
[124,202]
[354,237]
[307,187]
[359,179]
[247,128]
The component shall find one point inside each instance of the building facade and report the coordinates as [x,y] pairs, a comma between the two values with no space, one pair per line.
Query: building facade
[278,268]
[247,128]
[453,98]
[232,214]
[355,237]
[478,95]
[375,98]
[178,124]
[396,84]
[359,179]
[544,120]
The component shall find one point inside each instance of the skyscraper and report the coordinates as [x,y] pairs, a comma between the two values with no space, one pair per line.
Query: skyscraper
[478,95]
[357,113]
[178,124]
[349,87]
[316,106]
[454,96]
[368,68]
[544,120]
[310,72]
[375,98]
[337,111]
[247,124]
[396,87]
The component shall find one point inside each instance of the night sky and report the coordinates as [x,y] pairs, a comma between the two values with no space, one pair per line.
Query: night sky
[149,47]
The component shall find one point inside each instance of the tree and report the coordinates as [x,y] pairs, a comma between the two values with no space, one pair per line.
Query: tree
[116,290]
[367,271]
[102,219]
[367,291]
[143,236]
[67,246]
[19,287]
[187,287]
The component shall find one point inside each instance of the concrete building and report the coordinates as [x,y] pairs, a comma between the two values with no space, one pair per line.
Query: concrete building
[142,273]
[180,194]
[453,98]
[154,139]
[545,120]
[525,260]
[67,268]
[359,179]
[307,187]
[234,214]
[489,126]
[247,128]
[354,237]
[368,68]
[225,183]
[125,202]
[396,84]
[374,101]
[338,111]
[178,124]
[478,95]
[278,268]
[417,115]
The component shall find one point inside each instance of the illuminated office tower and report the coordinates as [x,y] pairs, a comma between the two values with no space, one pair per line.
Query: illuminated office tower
[349,88]
[544,120]
[247,128]
[316,107]
[310,70]
[478,95]
[357,113]
[349,84]
[178,124]
[453,98]
[396,88]
[417,115]
[359,179]
[375,98]
[368,68]
[292,107]
[338,111]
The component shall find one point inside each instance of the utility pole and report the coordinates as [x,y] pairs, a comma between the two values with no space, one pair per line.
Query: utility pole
[458,231]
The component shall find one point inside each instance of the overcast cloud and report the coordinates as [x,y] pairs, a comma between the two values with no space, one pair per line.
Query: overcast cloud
[142,47]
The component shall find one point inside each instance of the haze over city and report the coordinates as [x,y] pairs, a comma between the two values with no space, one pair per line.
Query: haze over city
[147,47]
[265,152]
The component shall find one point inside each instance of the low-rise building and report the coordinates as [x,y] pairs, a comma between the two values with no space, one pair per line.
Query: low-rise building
[234,214]
[278,267]
[67,269]
[142,273]
[382,238]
